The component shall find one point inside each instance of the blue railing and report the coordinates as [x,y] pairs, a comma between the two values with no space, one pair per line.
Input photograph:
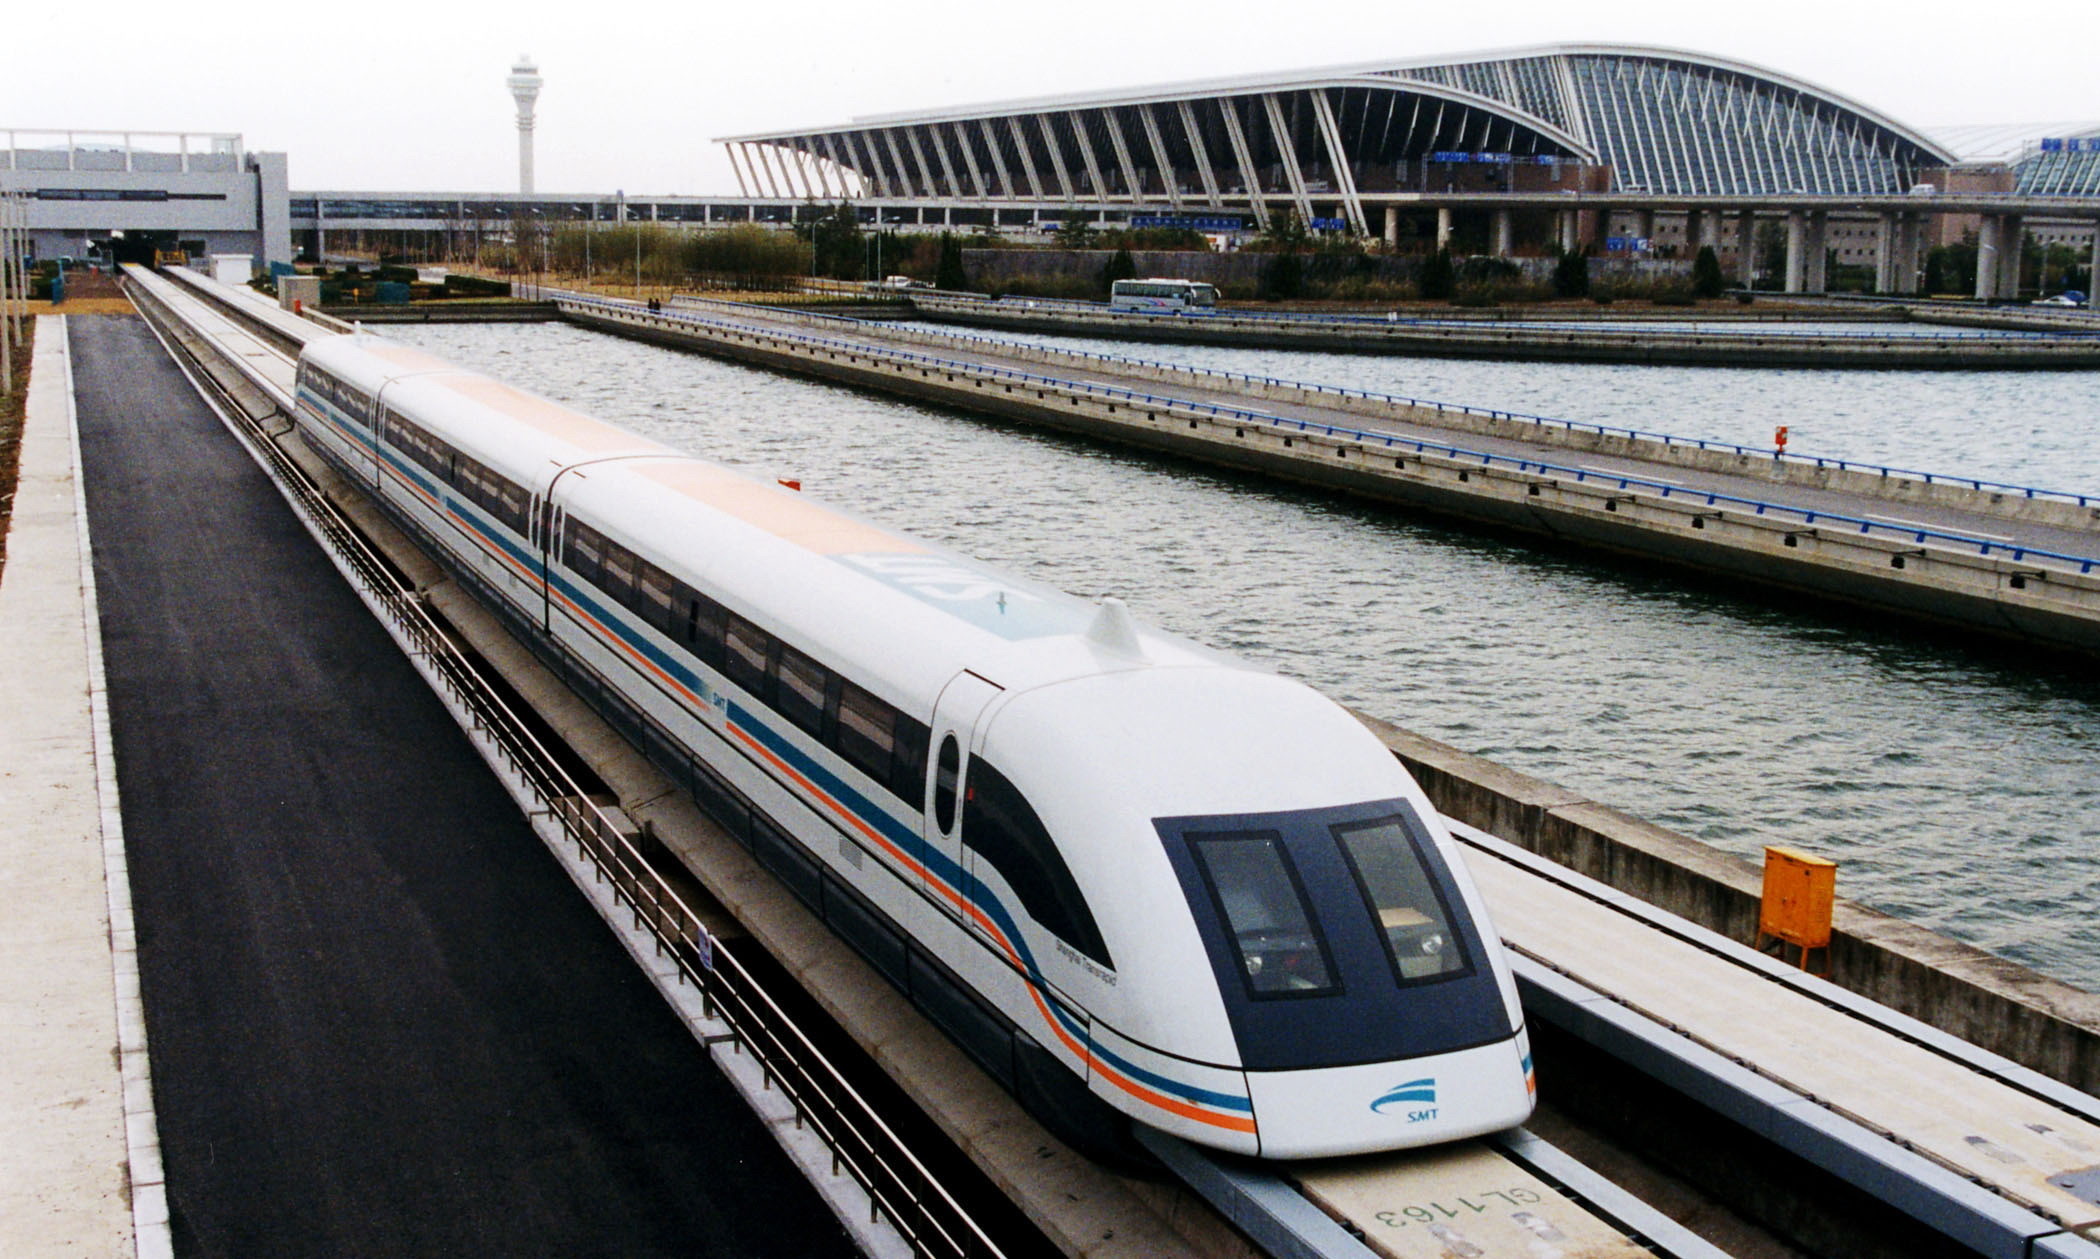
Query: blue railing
[2016,552]
[1455,408]
[1020,305]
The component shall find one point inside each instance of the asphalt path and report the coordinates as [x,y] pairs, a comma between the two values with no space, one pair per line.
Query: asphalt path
[382,1020]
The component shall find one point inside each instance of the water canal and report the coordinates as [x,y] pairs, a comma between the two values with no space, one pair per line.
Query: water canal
[1959,786]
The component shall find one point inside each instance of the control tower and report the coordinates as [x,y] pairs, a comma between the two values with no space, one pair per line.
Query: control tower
[525,89]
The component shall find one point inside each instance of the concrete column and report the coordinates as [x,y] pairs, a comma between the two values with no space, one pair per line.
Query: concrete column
[1392,227]
[1570,228]
[1987,258]
[1816,247]
[1504,235]
[1644,224]
[1443,227]
[2092,279]
[1886,251]
[1694,232]
[2011,234]
[1796,250]
[1746,248]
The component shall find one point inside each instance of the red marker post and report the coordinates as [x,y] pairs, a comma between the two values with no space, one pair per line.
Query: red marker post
[1779,439]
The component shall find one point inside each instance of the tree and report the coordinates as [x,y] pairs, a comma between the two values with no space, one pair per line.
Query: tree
[1120,266]
[948,274]
[1571,274]
[1439,279]
[1283,277]
[1074,232]
[1707,280]
[836,238]
[1286,229]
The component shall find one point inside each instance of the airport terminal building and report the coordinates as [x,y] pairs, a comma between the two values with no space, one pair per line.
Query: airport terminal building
[1343,143]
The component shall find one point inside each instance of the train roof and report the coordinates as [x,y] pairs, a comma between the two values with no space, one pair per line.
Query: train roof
[901,610]
[847,588]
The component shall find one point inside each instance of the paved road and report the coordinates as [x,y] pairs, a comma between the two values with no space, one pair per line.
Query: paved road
[382,1020]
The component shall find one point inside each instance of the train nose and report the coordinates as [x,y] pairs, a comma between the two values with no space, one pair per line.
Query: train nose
[1388,1105]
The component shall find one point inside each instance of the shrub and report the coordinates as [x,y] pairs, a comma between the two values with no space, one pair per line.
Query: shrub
[1438,280]
[1707,280]
[1571,273]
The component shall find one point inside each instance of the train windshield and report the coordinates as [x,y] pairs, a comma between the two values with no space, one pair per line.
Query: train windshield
[1336,936]
[1410,910]
[1262,903]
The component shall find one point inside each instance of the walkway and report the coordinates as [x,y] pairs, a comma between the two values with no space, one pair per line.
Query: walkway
[383,1021]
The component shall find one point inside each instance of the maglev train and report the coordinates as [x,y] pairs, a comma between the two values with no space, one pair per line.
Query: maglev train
[1133,877]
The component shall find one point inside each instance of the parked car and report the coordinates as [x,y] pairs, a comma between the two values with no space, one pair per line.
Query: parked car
[2061,299]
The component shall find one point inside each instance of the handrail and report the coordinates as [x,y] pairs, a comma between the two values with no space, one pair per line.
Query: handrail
[1455,408]
[1009,305]
[862,1144]
[1985,546]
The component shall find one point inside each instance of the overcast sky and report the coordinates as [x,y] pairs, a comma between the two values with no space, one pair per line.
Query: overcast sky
[391,95]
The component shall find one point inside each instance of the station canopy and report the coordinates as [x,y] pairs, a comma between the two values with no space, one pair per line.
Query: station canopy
[1643,119]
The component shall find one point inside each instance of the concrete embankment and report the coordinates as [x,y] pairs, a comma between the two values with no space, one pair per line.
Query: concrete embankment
[1687,347]
[1986,1000]
[2027,600]
[1864,481]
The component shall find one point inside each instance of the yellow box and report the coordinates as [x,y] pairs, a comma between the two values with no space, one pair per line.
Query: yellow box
[1799,893]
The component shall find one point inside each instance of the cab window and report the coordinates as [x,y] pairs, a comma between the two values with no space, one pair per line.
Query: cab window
[1413,921]
[1267,919]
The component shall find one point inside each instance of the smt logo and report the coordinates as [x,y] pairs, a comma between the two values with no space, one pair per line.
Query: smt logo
[1420,1095]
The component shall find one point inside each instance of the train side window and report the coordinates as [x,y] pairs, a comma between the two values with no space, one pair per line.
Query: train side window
[866,732]
[705,621]
[800,686]
[947,770]
[908,761]
[1266,915]
[1399,889]
[585,553]
[658,598]
[1002,827]
[616,573]
[745,660]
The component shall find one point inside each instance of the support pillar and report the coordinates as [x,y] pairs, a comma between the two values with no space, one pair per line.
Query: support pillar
[1695,222]
[1504,235]
[1644,224]
[2092,279]
[1987,258]
[1746,249]
[1569,224]
[1443,227]
[1818,276]
[2012,232]
[1910,232]
[1887,251]
[1796,250]
[1392,227]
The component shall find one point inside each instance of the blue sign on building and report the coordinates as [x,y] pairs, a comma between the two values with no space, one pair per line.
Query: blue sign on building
[1446,156]
[1330,225]
[1204,223]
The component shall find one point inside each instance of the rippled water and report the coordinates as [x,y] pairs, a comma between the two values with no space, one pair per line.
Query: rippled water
[1959,787]
[2024,428]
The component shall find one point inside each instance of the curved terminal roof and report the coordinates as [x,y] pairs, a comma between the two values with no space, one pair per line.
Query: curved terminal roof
[2049,159]
[1662,120]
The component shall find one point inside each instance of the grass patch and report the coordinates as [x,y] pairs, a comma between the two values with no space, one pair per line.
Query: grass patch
[12,406]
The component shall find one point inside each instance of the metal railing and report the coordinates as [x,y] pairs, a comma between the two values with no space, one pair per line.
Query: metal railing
[1808,517]
[1019,306]
[863,1146]
[1667,440]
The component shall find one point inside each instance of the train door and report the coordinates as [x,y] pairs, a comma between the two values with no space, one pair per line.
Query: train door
[547,519]
[955,717]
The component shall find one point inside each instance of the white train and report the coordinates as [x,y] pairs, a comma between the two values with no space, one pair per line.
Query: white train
[1130,875]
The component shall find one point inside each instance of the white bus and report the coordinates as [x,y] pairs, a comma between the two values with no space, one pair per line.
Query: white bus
[1174,295]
